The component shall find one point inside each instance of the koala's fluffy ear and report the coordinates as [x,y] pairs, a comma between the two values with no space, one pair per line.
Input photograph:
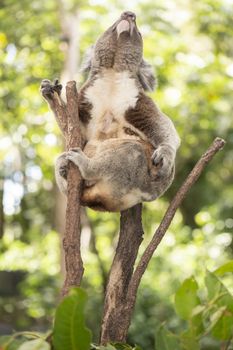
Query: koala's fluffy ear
[146,76]
[87,60]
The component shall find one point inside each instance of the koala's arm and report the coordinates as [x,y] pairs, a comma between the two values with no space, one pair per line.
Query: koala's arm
[158,129]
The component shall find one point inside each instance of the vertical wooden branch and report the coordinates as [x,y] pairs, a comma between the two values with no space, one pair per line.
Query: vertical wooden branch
[116,318]
[68,120]
[71,242]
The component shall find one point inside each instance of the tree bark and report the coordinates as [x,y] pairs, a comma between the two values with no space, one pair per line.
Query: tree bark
[72,239]
[68,121]
[116,318]
[123,283]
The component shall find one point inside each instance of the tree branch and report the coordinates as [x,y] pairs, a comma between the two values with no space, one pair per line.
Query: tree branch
[217,145]
[68,121]
[116,316]
[60,113]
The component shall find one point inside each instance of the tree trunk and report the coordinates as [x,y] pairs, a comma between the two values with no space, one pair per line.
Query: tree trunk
[116,316]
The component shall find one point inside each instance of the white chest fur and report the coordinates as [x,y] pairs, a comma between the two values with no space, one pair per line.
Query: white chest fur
[110,95]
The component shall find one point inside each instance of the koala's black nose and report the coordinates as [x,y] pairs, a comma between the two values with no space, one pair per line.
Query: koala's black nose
[128,15]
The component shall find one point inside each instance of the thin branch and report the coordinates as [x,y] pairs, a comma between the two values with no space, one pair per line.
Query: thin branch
[217,145]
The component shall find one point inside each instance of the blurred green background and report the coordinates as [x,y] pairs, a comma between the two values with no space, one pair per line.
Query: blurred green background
[190,45]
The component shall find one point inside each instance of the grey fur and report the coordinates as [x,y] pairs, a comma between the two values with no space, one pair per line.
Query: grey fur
[146,76]
[87,60]
[124,161]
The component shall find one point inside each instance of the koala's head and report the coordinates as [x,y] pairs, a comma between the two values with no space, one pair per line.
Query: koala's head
[121,48]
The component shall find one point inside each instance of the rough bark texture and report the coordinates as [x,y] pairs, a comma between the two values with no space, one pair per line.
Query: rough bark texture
[72,238]
[123,283]
[116,318]
[68,121]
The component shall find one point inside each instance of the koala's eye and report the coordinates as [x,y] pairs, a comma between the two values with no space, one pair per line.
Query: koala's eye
[139,33]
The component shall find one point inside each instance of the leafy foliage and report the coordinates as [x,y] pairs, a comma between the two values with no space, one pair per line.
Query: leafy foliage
[211,316]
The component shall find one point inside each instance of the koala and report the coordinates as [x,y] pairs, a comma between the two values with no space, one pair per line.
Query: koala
[130,145]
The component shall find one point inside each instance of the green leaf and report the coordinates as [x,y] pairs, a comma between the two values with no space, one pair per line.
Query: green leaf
[107,347]
[217,292]
[223,328]
[215,317]
[36,344]
[228,267]
[9,343]
[196,324]
[120,346]
[5,339]
[165,340]
[70,332]
[186,298]
[189,340]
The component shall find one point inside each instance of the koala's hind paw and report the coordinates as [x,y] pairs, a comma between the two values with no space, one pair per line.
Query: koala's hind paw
[48,88]
[163,158]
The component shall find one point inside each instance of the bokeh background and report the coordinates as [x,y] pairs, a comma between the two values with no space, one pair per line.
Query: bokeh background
[190,45]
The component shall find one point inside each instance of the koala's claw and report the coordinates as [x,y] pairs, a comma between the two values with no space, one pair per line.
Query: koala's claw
[72,154]
[48,88]
[63,171]
[157,158]
[62,165]
[162,159]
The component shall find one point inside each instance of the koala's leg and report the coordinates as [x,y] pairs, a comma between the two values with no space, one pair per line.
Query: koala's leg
[61,172]
[89,168]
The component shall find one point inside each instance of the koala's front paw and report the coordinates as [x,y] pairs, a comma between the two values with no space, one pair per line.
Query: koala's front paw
[74,155]
[48,88]
[163,158]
